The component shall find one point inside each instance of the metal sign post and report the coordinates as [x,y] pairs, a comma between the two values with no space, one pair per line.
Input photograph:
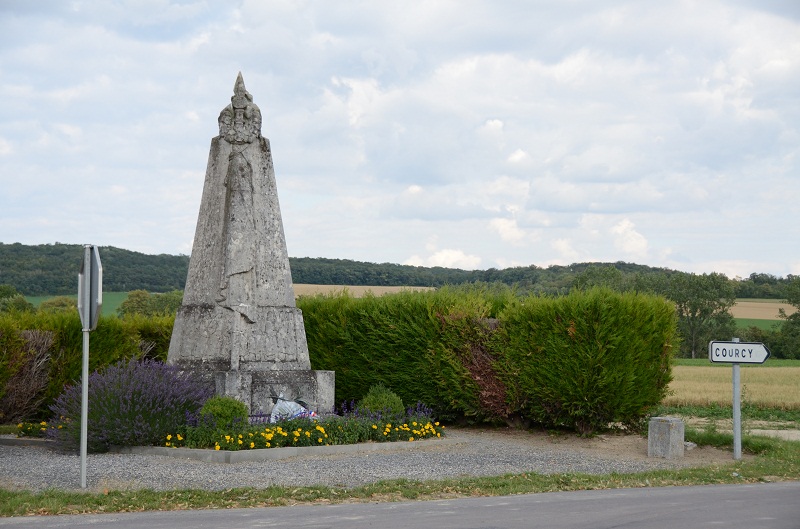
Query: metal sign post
[736,352]
[90,302]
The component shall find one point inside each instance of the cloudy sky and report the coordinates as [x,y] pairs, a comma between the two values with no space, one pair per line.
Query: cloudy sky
[469,134]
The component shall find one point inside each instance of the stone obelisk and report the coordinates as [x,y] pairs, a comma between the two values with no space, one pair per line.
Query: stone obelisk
[238,324]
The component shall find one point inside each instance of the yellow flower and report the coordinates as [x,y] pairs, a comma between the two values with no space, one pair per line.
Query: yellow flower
[228,438]
[268,445]
[320,439]
[410,438]
[252,445]
[240,441]
[216,446]
[180,438]
[436,423]
[19,425]
[169,437]
[374,427]
[43,423]
[166,444]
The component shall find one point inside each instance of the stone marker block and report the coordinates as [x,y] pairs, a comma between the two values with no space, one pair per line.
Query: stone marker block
[665,438]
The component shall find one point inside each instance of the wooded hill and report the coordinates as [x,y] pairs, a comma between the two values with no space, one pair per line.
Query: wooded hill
[52,269]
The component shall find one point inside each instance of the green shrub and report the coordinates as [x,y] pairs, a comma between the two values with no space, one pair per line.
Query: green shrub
[226,411]
[114,339]
[589,359]
[380,399]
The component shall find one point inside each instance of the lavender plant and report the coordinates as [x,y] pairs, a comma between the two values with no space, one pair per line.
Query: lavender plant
[130,403]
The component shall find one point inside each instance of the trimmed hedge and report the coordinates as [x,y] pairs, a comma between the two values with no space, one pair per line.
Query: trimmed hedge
[589,359]
[476,353]
[581,361]
[114,339]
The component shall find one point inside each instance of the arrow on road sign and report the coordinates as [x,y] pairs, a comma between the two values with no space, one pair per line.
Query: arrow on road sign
[738,352]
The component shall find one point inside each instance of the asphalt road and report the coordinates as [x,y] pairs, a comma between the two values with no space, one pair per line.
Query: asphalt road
[768,505]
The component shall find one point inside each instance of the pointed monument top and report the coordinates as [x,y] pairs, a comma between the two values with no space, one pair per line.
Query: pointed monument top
[241,97]
[240,122]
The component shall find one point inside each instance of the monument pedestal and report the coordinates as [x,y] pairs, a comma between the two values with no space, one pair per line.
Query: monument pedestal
[257,389]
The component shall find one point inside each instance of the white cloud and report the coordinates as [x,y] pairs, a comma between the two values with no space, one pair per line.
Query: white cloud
[5,147]
[627,239]
[518,156]
[448,258]
[508,230]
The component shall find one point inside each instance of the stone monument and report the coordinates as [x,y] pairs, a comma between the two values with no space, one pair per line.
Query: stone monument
[238,325]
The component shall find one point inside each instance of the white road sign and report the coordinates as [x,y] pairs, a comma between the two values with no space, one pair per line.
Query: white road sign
[738,352]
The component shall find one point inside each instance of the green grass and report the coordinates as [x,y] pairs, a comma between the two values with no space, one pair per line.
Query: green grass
[749,412]
[111,301]
[6,429]
[764,325]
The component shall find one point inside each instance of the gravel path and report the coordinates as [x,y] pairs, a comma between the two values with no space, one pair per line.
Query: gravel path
[462,453]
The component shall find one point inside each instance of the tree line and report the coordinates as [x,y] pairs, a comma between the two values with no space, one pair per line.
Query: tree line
[51,269]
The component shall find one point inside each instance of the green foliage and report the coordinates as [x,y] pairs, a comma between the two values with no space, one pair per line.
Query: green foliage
[226,411]
[600,276]
[143,303]
[7,291]
[703,305]
[59,304]
[381,399]
[581,361]
[15,303]
[404,341]
[114,339]
[474,353]
[51,269]
[588,359]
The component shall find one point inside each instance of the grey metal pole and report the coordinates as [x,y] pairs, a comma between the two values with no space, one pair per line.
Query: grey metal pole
[84,406]
[737,412]
[86,294]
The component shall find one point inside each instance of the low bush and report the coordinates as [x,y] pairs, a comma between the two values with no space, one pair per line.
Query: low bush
[224,412]
[130,403]
[382,400]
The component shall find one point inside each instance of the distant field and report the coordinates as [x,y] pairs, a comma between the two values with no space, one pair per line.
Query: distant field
[759,309]
[773,385]
[355,291]
[112,300]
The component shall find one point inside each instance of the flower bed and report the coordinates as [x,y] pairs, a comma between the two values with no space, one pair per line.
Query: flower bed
[326,431]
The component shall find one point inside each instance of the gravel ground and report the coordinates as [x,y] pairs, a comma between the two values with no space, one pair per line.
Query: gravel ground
[463,453]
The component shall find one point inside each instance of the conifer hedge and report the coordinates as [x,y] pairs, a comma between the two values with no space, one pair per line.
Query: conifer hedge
[114,339]
[581,361]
